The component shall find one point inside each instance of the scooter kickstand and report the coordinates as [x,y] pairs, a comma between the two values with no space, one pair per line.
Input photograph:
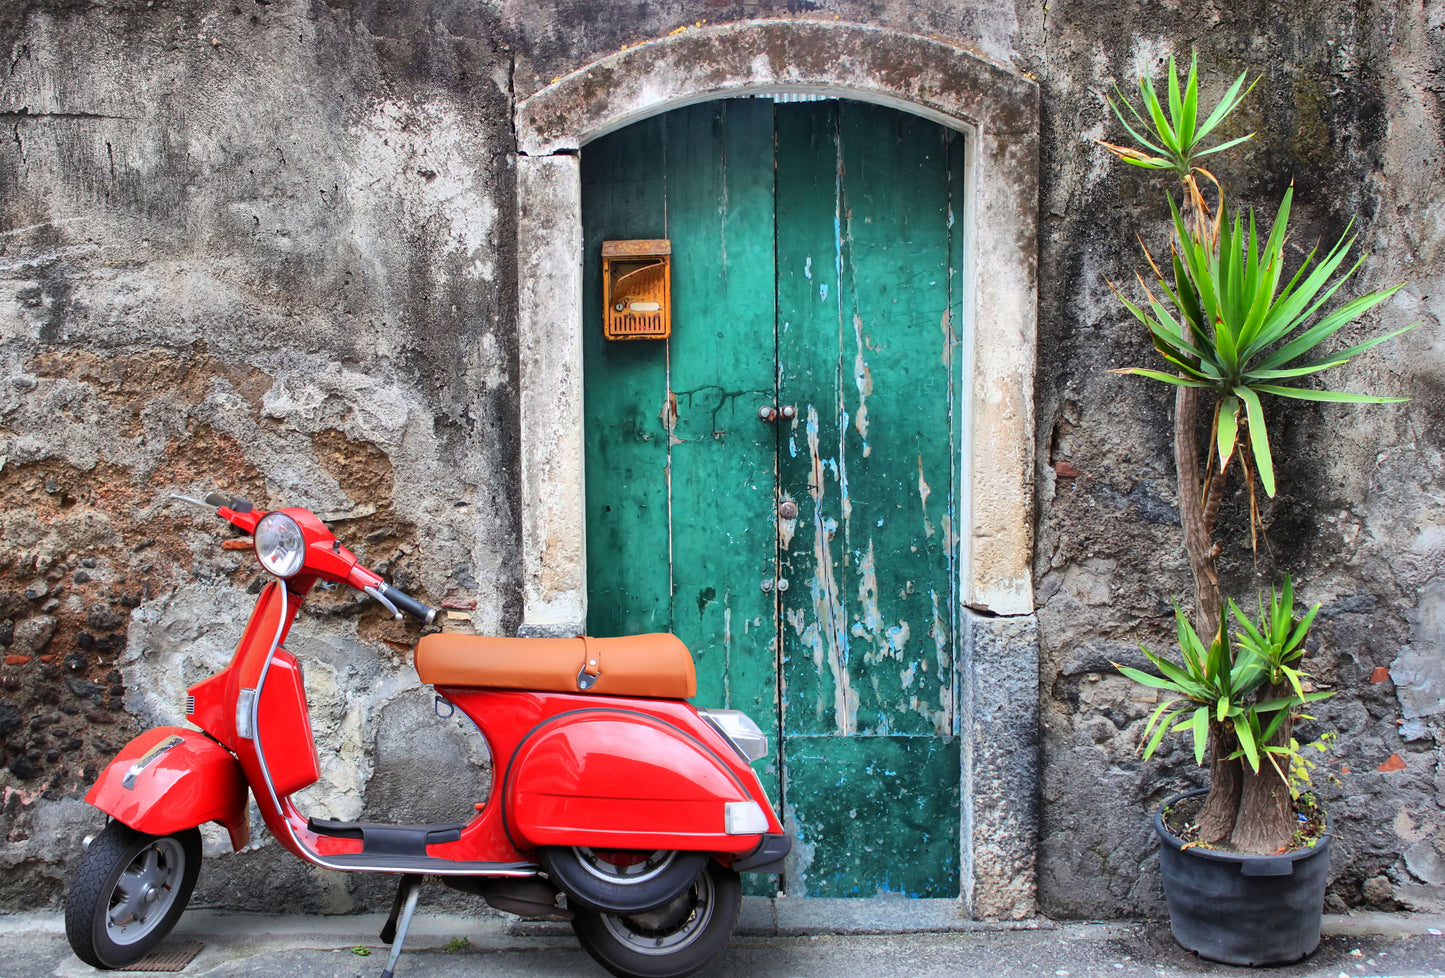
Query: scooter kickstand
[394,933]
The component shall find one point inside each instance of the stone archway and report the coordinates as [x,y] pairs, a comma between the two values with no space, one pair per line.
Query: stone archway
[997,110]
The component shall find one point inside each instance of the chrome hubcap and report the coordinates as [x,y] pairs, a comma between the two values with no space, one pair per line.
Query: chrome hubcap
[613,868]
[145,891]
[671,927]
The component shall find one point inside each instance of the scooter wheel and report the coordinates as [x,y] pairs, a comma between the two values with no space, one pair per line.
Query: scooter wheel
[621,881]
[128,892]
[671,941]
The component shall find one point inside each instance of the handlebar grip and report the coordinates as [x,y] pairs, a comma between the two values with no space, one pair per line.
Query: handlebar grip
[221,500]
[410,605]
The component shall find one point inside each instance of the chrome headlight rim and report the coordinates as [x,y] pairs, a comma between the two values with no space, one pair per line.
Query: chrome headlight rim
[280,545]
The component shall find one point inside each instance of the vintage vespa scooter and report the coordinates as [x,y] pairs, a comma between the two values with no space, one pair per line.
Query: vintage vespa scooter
[614,802]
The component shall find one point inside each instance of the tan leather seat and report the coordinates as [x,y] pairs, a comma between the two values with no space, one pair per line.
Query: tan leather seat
[656,665]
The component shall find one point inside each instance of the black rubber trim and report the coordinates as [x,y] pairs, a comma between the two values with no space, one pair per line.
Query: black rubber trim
[379,839]
[767,857]
[511,761]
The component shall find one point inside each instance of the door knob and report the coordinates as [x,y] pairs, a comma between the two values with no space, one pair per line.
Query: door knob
[788,510]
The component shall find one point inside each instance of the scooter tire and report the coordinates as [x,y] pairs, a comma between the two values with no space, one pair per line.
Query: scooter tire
[122,866]
[591,881]
[671,941]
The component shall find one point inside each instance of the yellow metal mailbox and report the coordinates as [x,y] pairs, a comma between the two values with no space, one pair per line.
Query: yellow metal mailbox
[637,289]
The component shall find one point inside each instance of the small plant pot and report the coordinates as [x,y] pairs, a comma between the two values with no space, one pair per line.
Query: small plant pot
[1241,909]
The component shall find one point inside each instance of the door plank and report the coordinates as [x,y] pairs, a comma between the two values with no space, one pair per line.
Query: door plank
[723,357]
[818,690]
[626,398]
[897,402]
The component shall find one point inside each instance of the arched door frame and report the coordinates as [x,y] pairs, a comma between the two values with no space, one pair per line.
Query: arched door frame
[997,111]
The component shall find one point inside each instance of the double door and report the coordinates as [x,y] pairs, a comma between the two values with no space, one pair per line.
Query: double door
[775,483]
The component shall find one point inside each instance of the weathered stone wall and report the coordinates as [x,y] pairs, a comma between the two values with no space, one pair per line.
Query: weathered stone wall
[267,246]
[264,247]
[1348,108]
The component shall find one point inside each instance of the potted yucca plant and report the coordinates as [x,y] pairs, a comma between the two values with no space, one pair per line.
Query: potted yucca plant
[1237,328]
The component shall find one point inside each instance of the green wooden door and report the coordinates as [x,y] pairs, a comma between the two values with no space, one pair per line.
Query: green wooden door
[816,256]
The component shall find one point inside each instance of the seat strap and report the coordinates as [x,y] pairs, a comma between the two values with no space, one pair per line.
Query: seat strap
[591,665]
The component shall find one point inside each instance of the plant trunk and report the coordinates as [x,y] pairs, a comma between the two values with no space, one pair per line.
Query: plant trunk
[1198,538]
[1266,822]
[1221,807]
[1226,777]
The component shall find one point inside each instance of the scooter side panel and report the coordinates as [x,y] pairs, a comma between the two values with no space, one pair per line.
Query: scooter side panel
[615,779]
[169,779]
[283,725]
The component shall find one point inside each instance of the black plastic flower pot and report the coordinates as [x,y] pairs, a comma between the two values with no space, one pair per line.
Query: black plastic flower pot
[1240,909]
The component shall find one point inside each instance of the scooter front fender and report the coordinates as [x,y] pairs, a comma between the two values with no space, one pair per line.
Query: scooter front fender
[619,779]
[169,779]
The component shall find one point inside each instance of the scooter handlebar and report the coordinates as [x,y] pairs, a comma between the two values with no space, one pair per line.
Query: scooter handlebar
[407,603]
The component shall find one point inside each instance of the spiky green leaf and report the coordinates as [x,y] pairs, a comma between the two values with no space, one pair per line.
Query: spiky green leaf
[1247,744]
[1201,733]
[1338,397]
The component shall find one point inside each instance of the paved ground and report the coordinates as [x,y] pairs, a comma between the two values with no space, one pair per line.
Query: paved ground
[1367,946]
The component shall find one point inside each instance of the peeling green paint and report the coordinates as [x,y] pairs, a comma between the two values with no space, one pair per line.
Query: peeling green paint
[873,815]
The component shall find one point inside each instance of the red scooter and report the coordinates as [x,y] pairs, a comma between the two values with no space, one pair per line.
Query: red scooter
[614,802]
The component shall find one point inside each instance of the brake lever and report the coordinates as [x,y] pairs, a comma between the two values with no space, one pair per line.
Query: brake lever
[385,603]
[192,500]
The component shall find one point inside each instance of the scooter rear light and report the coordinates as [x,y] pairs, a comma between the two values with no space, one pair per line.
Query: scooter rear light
[744,818]
[739,730]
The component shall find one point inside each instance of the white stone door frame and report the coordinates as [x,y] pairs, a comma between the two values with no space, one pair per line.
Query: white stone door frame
[997,111]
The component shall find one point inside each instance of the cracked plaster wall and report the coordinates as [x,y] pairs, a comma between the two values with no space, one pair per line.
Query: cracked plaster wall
[1349,109]
[267,246]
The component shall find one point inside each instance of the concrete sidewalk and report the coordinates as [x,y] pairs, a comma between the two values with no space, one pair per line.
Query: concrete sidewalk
[775,939]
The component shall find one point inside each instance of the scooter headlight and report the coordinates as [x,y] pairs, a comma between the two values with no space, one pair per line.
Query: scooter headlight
[279,544]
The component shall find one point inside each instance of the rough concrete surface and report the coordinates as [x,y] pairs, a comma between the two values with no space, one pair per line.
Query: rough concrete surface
[269,247]
[32,946]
